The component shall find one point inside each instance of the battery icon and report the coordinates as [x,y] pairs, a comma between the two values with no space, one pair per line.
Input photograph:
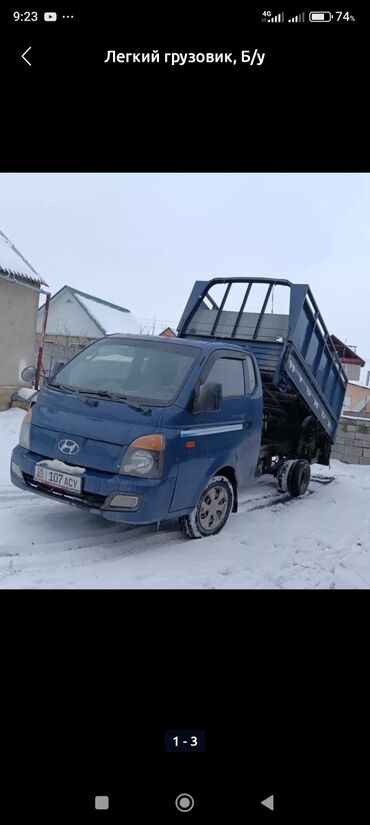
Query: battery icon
[320,16]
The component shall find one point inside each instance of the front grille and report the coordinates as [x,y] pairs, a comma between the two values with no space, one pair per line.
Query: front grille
[89,499]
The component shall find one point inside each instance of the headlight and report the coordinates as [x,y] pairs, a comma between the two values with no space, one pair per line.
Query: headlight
[144,457]
[24,435]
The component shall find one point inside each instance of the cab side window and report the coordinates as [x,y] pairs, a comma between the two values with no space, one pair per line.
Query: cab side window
[229,373]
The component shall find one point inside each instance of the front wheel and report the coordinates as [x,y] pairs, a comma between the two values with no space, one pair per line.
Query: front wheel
[212,511]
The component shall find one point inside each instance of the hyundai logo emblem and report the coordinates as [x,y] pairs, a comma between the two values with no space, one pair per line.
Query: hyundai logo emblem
[68,447]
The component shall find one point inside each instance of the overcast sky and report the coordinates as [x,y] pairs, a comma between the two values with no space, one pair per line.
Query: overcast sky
[141,240]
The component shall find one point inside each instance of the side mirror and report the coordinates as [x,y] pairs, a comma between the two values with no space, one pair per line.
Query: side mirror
[207,398]
[28,374]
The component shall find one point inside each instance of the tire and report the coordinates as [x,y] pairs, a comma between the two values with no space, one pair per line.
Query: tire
[299,477]
[282,477]
[212,511]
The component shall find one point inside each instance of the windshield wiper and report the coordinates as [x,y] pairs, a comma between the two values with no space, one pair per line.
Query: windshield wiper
[103,394]
[64,387]
[122,398]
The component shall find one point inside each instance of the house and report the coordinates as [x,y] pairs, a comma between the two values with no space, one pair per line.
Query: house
[76,319]
[357,397]
[169,332]
[348,357]
[19,298]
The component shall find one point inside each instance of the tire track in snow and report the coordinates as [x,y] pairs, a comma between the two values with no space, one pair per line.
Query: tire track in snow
[84,553]
[131,539]
[113,545]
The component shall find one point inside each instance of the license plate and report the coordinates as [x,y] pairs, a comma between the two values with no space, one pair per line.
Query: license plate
[58,479]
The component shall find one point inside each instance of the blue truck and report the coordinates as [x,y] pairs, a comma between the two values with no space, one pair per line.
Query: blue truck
[143,428]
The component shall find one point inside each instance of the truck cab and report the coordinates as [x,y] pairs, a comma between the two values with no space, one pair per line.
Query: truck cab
[133,425]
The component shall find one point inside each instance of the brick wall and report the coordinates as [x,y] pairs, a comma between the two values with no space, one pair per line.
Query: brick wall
[352,444]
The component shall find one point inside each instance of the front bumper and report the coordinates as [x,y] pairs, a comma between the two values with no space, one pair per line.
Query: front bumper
[98,489]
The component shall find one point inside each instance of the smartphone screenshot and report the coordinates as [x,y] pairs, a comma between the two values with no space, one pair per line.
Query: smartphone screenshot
[184,413]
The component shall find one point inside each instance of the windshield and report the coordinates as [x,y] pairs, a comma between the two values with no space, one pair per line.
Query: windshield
[144,371]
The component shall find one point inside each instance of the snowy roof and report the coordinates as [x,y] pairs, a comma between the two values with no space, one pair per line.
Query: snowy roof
[109,318]
[12,263]
[355,417]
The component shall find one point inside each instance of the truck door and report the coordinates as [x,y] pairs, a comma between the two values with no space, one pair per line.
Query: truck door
[229,436]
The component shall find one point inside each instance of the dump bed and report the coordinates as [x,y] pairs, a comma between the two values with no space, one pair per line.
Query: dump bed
[280,323]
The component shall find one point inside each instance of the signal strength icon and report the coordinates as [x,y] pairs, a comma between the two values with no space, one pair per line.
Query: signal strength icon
[299,18]
[279,18]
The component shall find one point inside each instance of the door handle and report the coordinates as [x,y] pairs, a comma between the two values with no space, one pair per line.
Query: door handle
[249,422]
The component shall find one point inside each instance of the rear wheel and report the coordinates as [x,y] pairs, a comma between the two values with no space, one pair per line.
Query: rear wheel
[212,511]
[299,478]
[294,477]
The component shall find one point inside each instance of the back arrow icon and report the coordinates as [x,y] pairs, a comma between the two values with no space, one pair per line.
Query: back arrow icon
[24,57]
[268,803]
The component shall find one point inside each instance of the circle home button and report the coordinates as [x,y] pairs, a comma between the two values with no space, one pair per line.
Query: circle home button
[184,802]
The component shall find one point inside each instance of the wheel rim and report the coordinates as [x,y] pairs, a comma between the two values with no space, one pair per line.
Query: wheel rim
[213,508]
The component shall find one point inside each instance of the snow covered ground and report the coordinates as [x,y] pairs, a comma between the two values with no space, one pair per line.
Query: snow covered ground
[319,541]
